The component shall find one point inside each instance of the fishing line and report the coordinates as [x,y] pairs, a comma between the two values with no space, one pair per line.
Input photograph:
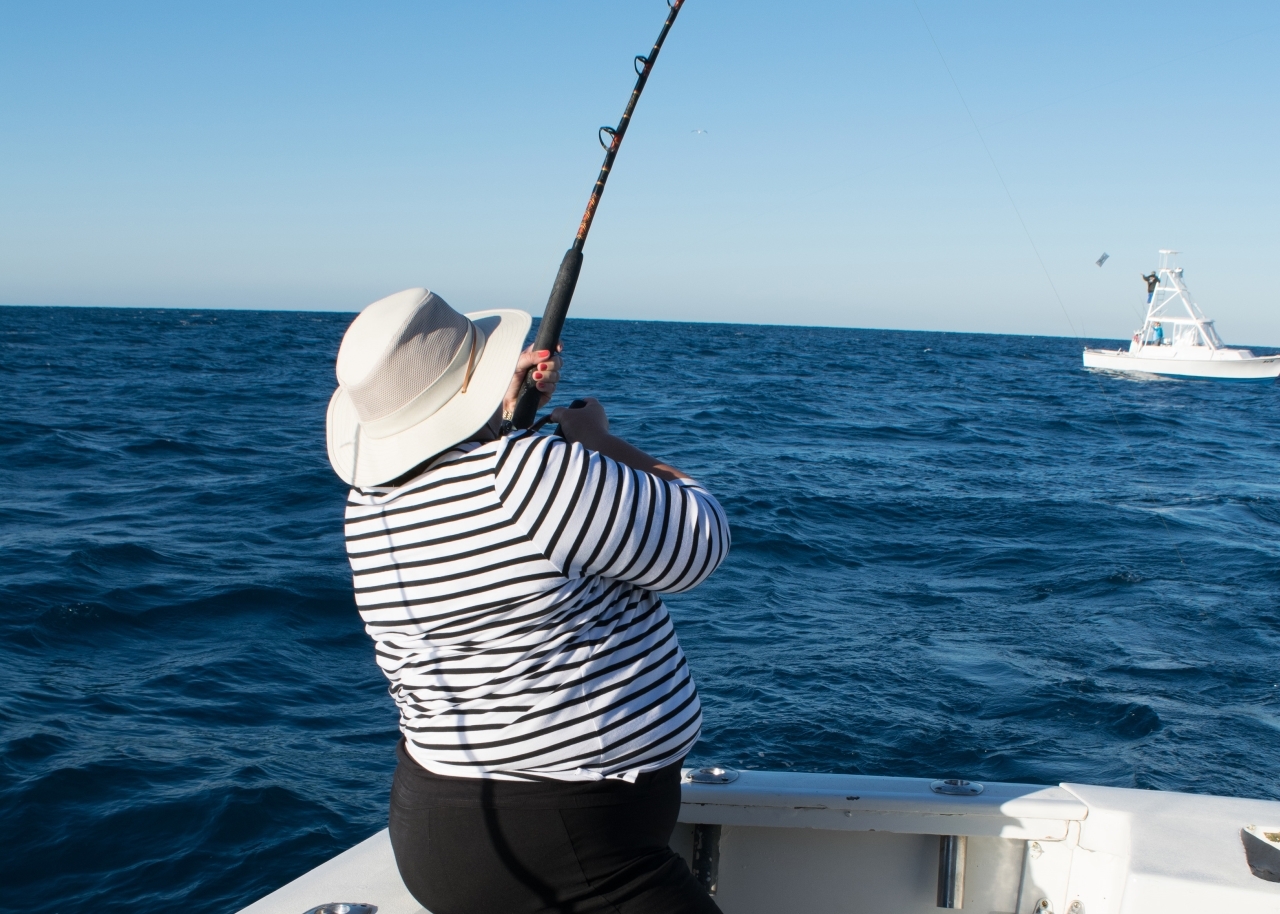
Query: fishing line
[1132,73]
[1103,85]
[1092,89]
[1061,304]
[996,168]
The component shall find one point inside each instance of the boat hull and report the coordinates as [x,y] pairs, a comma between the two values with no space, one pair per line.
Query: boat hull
[1259,368]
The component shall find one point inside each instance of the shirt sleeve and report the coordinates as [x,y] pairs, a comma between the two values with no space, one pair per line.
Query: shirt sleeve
[591,515]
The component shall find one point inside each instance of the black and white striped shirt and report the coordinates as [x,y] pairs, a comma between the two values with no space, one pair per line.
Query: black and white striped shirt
[511,592]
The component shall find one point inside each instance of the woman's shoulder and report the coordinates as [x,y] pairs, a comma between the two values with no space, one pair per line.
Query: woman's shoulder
[522,452]
[465,461]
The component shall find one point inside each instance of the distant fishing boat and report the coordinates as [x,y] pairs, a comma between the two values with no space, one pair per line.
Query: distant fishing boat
[1177,339]
[770,841]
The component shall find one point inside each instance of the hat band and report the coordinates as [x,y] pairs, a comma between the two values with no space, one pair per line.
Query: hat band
[440,392]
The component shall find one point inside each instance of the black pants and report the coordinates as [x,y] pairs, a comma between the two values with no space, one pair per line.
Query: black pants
[478,846]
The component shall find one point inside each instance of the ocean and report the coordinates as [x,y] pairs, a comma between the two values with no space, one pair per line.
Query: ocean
[954,555]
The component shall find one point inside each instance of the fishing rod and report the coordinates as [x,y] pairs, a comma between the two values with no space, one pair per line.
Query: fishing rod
[567,277]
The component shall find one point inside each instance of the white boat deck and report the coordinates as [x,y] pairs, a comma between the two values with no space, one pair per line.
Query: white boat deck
[822,843]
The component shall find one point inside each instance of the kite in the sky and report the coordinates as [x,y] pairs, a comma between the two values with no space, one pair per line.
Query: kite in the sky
[1103,259]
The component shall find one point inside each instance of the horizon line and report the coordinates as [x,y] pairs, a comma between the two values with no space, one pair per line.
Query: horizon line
[537,317]
[638,320]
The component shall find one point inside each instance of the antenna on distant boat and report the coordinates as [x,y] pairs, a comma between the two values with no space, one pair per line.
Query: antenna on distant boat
[567,277]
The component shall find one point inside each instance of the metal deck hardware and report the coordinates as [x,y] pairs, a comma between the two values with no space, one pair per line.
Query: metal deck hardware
[706,856]
[951,852]
[714,775]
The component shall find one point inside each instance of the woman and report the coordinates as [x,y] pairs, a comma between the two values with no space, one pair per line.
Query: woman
[509,581]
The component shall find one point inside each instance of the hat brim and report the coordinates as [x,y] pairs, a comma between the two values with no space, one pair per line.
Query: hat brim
[363,461]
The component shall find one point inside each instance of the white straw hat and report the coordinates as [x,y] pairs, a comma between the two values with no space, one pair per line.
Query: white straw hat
[416,377]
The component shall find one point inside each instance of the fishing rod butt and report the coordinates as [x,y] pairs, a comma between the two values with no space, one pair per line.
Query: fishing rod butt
[549,331]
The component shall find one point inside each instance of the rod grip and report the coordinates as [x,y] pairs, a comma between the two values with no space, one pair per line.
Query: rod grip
[549,332]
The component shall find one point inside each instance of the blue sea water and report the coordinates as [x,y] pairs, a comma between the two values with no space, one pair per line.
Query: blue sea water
[953,555]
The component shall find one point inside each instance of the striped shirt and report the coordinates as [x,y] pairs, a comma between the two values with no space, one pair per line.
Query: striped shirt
[511,593]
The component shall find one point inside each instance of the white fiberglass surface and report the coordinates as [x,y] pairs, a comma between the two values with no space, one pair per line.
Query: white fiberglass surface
[792,842]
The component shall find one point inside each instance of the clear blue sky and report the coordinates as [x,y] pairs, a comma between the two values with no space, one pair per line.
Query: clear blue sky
[317,155]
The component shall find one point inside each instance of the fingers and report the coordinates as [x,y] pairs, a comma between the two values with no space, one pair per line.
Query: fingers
[527,360]
[559,414]
[592,408]
[545,366]
[542,367]
[546,380]
[585,423]
[542,359]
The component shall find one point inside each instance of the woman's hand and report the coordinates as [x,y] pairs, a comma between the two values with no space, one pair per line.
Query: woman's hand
[545,367]
[587,424]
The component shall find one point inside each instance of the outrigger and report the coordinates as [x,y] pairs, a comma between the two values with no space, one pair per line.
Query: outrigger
[1177,339]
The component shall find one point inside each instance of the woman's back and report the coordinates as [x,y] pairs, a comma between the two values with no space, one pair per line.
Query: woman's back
[511,591]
